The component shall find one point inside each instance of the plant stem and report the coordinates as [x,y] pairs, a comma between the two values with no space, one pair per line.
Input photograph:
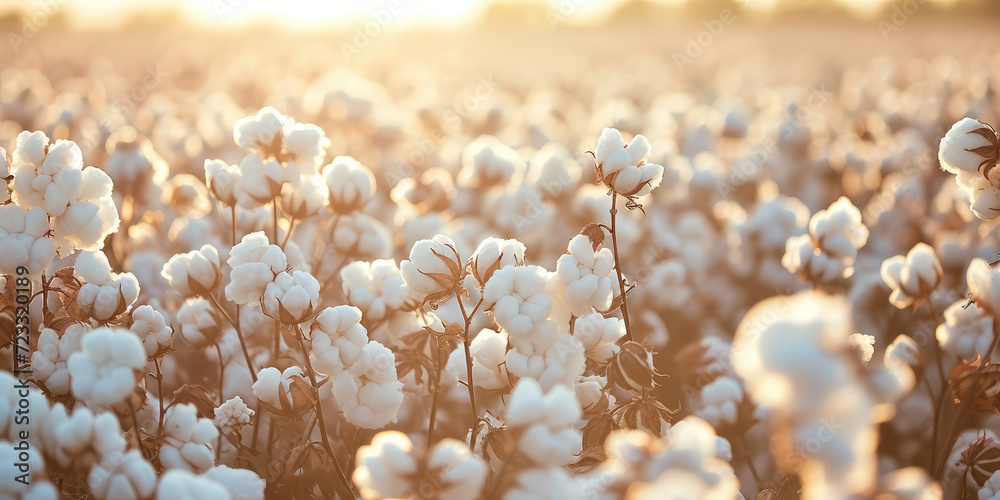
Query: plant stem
[618,266]
[436,391]
[222,398]
[468,368]
[239,333]
[159,392]
[291,226]
[322,421]
[749,460]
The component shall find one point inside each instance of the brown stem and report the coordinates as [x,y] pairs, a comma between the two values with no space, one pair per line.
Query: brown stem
[322,421]
[618,267]
[435,391]
[468,368]
[291,226]
[749,460]
[239,333]
[222,398]
[159,392]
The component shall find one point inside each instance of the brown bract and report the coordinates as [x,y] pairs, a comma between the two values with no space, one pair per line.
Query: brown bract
[976,385]
[644,413]
[449,282]
[299,400]
[981,459]
[991,153]
[632,368]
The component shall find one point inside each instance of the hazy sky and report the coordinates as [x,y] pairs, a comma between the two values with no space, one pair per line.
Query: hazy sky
[311,12]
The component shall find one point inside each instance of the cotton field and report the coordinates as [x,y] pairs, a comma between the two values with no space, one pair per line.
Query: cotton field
[735,258]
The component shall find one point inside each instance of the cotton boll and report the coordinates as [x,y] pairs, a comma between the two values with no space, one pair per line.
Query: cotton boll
[350,183]
[376,287]
[912,277]
[303,196]
[583,277]
[255,263]
[50,357]
[104,294]
[387,465]
[232,415]
[46,176]
[125,476]
[79,440]
[221,179]
[599,336]
[368,390]
[35,487]
[984,284]
[273,135]
[667,286]
[488,350]
[792,355]
[200,323]
[829,250]
[337,339]
[863,345]
[553,172]
[23,240]
[188,441]
[151,328]
[517,298]
[259,183]
[720,402]
[493,254]
[242,484]
[548,419]
[956,152]
[284,393]
[966,332]
[178,484]
[487,162]
[291,297]
[197,272]
[361,236]
[623,167]
[106,369]
[434,270]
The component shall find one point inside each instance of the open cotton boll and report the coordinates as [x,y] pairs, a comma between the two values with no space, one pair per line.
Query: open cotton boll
[305,146]
[434,270]
[720,402]
[261,131]
[351,184]
[259,182]
[23,240]
[487,162]
[255,263]
[274,135]
[553,171]
[376,288]
[957,149]
[49,359]
[986,202]
[583,277]
[599,336]
[200,323]
[624,168]
[488,350]
[337,339]
[232,415]
[912,277]
[221,179]
[179,484]
[387,466]
[369,391]
[284,393]
[105,294]
[188,441]
[362,236]
[549,437]
[303,196]
[152,329]
[103,372]
[517,298]
[966,332]
[493,254]
[122,476]
[291,297]
[197,272]
[35,487]
[984,285]
[242,484]
[79,440]
[797,363]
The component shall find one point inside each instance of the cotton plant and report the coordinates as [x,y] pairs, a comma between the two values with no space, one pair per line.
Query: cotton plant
[188,441]
[390,466]
[969,151]
[828,252]
[913,277]
[104,294]
[375,288]
[51,357]
[105,372]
